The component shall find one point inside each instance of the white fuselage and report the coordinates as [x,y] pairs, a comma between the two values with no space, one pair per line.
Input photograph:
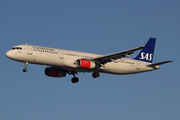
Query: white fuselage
[66,60]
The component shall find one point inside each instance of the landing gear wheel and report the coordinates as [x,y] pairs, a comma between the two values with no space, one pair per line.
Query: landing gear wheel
[75,80]
[25,65]
[95,74]
[24,70]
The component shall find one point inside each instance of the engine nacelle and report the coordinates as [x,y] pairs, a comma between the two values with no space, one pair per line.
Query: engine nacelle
[82,63]
[54,72]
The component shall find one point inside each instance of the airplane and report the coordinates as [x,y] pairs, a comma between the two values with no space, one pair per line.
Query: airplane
[62,62]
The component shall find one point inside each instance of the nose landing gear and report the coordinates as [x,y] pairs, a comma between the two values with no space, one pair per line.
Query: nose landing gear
[25,65]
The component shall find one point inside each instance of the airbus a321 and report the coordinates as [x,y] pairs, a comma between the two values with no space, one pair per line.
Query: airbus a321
[62,62]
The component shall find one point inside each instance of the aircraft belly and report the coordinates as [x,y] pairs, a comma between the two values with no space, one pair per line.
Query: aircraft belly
[119,68]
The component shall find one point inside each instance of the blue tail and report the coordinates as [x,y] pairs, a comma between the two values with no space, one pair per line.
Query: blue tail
[147,53]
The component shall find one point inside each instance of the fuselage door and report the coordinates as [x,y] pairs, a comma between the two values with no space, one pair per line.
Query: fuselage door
[61,55]
[137,65]
[29,50]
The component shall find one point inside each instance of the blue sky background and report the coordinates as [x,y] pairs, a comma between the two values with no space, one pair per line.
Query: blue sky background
[95,26]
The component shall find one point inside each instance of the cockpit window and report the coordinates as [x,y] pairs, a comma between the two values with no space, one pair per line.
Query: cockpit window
[18,48]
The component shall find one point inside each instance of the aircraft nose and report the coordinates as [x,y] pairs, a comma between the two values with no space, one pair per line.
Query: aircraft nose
[9,54]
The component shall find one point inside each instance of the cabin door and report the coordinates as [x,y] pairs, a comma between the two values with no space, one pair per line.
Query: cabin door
[61,55]
[29,50]
[137,65]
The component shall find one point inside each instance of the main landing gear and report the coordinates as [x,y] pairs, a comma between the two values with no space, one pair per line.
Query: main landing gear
[95,74]
[25,65]
[74,79]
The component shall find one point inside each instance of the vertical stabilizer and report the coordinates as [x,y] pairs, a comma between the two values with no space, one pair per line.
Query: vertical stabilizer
[146,54]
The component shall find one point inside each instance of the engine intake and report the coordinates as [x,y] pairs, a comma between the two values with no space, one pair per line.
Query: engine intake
[82,63]
[54,72]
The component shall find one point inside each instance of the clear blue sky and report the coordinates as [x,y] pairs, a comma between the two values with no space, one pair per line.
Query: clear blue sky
[95,26]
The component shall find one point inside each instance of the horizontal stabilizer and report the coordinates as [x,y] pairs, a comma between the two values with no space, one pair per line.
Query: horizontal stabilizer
[160,63]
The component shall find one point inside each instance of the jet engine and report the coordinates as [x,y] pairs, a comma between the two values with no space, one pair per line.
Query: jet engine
[82,63]
[54,72]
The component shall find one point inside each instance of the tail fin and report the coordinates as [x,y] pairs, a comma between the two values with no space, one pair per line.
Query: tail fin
[146,54]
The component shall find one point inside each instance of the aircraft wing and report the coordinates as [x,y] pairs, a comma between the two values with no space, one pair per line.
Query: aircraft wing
[110,57]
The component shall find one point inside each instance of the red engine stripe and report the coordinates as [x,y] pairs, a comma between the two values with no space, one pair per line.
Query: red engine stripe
[85,63]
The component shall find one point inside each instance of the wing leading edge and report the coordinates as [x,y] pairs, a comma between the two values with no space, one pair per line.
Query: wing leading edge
[114,56]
